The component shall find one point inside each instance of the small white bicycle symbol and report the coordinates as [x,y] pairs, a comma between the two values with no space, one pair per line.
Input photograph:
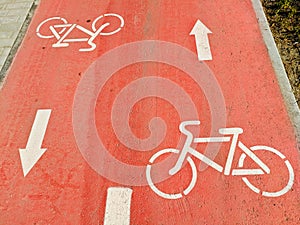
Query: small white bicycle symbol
[61,31]
[187,149]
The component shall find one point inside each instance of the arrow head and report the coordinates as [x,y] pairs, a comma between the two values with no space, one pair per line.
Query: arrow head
[29,158]
[200,28]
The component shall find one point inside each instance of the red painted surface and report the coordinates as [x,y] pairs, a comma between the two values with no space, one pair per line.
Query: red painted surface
[63,189]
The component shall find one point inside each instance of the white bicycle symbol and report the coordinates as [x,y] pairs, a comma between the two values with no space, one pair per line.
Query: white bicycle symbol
[235,132]
[61,31]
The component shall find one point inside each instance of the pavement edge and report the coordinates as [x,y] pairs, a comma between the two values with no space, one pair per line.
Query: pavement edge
[284,84]
[17,42]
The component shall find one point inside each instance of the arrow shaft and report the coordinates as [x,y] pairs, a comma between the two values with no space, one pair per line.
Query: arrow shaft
[38,129]
[203,47]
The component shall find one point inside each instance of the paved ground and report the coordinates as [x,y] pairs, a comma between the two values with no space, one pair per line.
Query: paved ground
[85,117]
[13,14]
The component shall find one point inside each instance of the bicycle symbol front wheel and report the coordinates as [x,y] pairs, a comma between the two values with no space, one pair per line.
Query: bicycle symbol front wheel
[173,195]
[287,184]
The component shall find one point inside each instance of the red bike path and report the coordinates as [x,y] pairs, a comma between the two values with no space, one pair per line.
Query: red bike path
[63,188]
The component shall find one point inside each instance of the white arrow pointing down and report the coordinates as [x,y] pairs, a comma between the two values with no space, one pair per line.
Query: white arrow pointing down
[33,151]
[202,43]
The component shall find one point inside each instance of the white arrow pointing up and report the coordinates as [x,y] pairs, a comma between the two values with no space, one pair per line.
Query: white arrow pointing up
[201,35]
[33,151]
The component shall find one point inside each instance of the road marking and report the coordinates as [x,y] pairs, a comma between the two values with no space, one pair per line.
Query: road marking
[61,34]
[202,43]
[117,211]
[33,151]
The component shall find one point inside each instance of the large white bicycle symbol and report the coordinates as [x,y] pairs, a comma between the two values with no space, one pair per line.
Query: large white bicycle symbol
[187,151]
[62,29]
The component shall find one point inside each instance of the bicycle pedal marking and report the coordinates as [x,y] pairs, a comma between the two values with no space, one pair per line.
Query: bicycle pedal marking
[60,32]
[187,151]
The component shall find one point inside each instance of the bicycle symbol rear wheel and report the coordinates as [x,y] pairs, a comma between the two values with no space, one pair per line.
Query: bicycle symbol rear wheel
[173,195]
[50,35]
[269,193]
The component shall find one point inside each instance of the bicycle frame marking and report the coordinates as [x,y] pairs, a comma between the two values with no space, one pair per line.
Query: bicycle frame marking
[234,143]
[67,28]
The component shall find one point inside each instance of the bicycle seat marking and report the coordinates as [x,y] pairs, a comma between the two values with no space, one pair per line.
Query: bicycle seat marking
[233,134]
[62,29]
